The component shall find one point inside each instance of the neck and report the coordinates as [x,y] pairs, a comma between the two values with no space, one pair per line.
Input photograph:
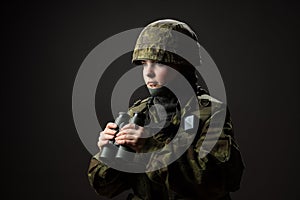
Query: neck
[162,92]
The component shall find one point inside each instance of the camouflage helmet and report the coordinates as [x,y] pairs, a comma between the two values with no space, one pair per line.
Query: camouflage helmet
[167,41]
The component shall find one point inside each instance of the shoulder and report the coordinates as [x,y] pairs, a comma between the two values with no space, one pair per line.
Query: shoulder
[209,106]
[138,106]
[207,101]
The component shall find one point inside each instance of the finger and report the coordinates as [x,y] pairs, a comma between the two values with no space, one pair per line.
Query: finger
[125,141]
[126,137]
[111,125]
[106,137]
[109,131]
[127,132]
[130,126]
[128,143]
[121,137]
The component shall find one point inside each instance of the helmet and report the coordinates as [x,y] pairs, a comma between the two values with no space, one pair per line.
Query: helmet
[166,41]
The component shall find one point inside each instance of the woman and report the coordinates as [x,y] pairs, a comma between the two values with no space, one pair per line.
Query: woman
[194,174]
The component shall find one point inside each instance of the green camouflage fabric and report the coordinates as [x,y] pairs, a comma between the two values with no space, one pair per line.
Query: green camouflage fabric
[158,41]
[212,177]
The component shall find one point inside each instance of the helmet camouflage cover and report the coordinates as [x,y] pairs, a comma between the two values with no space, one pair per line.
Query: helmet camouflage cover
[164,41]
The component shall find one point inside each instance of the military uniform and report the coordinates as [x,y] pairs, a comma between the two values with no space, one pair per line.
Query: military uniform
[211,176]
[189,177]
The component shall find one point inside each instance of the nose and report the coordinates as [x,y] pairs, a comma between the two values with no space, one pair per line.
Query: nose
[149,69]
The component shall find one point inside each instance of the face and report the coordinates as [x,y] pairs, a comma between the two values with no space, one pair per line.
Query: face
[156,74]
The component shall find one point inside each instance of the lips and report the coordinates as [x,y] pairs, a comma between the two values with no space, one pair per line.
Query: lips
[152,84]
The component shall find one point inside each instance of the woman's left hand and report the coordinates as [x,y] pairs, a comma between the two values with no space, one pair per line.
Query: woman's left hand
[131,135]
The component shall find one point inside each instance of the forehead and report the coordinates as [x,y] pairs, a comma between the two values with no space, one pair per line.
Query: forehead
[148,61]
[154,61]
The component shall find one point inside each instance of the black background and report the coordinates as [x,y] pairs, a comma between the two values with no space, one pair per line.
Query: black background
[254,44]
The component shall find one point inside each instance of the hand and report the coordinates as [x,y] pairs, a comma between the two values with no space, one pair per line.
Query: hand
[131,136]
[107,134]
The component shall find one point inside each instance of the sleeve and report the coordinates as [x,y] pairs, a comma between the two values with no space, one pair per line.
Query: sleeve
[105,180]
[224,158]
[207,172]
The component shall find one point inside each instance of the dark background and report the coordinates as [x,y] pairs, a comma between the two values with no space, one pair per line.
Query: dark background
[254,44]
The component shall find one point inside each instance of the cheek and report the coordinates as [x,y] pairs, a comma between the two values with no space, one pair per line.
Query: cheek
[144,75]
[162,75]
[168,75]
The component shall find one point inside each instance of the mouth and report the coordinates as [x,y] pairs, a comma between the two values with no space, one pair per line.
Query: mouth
[152,84]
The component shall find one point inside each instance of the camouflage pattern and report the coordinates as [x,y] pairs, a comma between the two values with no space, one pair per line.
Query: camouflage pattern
[158,41]
[193,175]
[189,177]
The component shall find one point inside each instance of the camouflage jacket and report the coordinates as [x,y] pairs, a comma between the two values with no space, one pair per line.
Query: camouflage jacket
[191,176]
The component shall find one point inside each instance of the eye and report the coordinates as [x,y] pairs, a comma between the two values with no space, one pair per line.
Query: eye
[160,64]
[143,63]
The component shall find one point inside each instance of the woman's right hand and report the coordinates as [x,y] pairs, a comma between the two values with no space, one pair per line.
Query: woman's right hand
[107,134]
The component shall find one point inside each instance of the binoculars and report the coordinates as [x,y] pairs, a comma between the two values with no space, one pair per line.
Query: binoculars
[112,151]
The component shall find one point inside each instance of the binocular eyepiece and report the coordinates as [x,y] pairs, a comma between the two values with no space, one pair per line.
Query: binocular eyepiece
[113,152]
